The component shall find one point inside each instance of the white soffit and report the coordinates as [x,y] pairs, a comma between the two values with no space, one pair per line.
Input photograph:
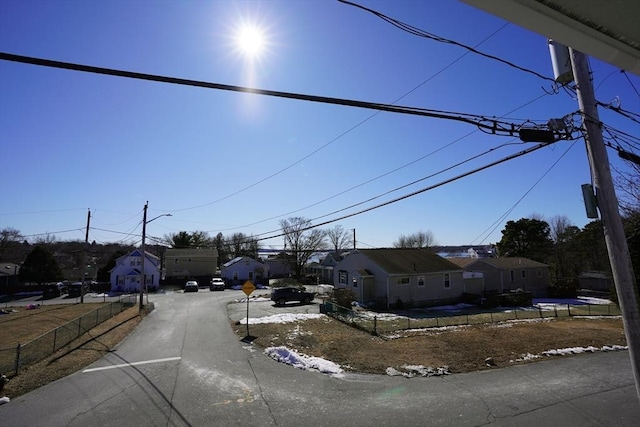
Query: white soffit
[605,29]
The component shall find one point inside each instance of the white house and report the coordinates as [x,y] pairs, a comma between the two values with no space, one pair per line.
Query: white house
[126,276]
[395,278]
[240,269]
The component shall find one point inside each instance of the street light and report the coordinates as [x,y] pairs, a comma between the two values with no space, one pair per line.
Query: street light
[143,282]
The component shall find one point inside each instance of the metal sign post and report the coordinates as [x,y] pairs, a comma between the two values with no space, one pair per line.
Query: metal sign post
[248,287]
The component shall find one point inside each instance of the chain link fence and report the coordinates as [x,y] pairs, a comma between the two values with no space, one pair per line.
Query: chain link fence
[14,358]
[388,323]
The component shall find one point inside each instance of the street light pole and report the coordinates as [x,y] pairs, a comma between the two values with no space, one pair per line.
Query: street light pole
[143,281]
[142,246]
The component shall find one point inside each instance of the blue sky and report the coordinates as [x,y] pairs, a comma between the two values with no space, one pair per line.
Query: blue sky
[230,162]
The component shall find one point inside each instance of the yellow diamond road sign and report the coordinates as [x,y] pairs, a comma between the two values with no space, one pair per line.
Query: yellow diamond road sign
[248,287]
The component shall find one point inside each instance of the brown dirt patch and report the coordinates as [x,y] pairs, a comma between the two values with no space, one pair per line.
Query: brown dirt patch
[461,349]
[23,325]
[78,354]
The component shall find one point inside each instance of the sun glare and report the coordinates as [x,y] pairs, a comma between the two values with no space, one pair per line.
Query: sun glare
[250,41]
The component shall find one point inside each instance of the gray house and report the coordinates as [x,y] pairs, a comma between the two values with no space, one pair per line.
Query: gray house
[240,269]
[509,274]
[395,278]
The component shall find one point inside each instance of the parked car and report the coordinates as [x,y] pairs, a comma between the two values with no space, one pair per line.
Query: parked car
[191,286]
[217,284]
[53,290]
[77,289]
[283,295]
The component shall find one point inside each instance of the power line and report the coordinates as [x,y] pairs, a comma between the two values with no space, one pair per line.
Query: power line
[379,176]
[362,122]
[421,33]
[495,225]
[491,125]
[412,194]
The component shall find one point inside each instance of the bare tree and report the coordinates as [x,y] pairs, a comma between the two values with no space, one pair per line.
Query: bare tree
[302,241]
[420,239]
[241,244]
[558,226]
[45,239]
[339,238]
[9,238]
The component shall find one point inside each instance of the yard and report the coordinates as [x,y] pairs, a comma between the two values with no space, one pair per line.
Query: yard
[460,349]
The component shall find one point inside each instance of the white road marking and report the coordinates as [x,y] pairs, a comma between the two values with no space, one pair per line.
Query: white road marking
[126,365]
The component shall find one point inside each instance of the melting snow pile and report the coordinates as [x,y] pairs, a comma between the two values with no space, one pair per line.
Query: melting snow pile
[578,350]
[281,318]
[410,371]
[301,361]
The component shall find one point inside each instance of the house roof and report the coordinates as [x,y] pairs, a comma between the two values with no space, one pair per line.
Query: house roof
[238,259]
[462,262]
[510,263]
[402,261]
[138,252]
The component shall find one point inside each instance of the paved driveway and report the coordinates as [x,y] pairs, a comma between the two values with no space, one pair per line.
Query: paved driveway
[184,366]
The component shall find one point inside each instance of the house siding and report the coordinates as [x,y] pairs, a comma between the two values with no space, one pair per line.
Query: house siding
[239,270]
[377,287]
[126,275]
[506,275]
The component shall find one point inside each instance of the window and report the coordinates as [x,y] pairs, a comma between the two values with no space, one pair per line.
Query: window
[420,281]
[175,261]
[132,262]
[523,274]
[512,276]
[403,281]
[447,280]
[355,282]
[342,277]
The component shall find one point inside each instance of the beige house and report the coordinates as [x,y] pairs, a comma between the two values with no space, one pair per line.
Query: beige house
[399,278]
[190,263]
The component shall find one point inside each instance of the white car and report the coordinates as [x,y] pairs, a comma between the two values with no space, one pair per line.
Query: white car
[191,286]
[217,284]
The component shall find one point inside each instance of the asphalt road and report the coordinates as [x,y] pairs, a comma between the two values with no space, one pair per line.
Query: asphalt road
[184,366]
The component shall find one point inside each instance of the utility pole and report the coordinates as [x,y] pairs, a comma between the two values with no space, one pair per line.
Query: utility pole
[142,247]
[84,257]
[354,239]
[607,203]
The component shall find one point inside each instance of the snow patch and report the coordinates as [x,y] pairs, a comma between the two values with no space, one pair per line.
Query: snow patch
[410,371]
[301,361]
[282,318]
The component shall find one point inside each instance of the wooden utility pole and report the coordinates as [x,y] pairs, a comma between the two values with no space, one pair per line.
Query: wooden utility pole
[607,203]
[84,257]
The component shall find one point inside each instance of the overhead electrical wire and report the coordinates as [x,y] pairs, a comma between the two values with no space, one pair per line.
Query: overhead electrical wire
[382,175]
[486,233]
[406,196]
[357,125]
[496,127]
[422,33]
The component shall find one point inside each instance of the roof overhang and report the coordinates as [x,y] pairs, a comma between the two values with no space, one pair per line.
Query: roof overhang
[605,29]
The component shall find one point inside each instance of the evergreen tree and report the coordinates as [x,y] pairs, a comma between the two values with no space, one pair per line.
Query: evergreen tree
[40,266]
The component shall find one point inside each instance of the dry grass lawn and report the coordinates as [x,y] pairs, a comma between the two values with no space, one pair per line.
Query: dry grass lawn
[41,320]
[78,354]
[461,349]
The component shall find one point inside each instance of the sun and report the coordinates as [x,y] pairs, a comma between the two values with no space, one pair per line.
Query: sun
[250,40]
